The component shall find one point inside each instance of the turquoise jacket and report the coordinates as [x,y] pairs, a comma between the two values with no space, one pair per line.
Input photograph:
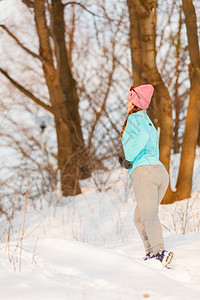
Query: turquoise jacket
[140,141]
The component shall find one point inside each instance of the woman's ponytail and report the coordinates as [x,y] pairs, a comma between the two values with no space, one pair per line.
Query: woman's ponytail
[133,110]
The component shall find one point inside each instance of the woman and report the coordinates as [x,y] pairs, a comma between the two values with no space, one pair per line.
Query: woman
[149,176]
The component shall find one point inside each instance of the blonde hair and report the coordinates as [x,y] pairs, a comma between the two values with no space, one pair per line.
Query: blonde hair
[133,110]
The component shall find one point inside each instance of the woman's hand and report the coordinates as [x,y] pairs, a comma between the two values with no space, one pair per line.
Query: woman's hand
[123,162]
[127,164]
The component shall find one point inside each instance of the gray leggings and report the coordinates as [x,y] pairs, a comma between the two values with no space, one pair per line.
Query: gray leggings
[150,183]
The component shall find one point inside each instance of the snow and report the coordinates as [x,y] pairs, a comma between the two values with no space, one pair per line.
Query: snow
[87,247]
[66,269]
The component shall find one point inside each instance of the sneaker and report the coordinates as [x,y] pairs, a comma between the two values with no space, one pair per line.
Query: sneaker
[165,257]
[148,256]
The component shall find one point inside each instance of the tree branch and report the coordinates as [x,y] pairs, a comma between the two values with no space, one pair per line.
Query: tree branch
[81,5]
[19,43]
[28,3]
[89,11]
[26,92]
[192,32]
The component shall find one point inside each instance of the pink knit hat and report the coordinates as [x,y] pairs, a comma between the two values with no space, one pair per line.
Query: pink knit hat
[141,95]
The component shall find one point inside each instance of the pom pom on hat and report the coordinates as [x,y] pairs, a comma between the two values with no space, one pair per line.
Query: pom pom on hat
[141,95]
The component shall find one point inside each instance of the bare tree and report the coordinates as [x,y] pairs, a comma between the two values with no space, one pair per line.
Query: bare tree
[84,72]
[190,137]
[62,91]
[57,45]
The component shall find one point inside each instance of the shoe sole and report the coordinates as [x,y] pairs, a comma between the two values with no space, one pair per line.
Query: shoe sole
[167,259]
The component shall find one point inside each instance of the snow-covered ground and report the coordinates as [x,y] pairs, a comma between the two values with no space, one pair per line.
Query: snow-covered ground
[87,247]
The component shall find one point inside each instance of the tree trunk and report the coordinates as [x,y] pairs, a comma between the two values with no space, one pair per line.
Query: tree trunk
[190,138]
[62,113]
[68,85]
[139,76]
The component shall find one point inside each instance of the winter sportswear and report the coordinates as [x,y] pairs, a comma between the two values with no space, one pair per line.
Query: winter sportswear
[140,141]
[165,257]
[141,95]
[127,164]
[123,162]
[149,256]
[150,184]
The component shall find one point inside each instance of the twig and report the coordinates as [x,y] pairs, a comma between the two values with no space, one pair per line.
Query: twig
[89,11]
[26,92]
[34,250]
[9,235]
[23,228]
[35,55]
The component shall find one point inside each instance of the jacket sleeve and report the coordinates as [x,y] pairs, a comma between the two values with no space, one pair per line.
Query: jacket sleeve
[137,137]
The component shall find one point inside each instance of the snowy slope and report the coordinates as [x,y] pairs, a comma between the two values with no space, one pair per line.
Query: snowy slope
[73,270]
[87,247]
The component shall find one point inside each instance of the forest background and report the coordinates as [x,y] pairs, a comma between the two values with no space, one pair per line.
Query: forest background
[65,71]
